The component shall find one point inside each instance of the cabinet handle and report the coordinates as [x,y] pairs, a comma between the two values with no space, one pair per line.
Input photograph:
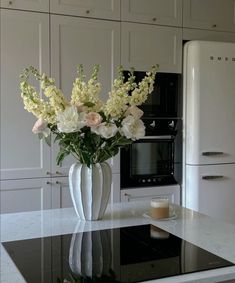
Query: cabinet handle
[48,173]
[10,2]
[87,12]
[49,183]
[212,177]
[60,183]
[154,19]
[214,26]
[212,153]
[58,173]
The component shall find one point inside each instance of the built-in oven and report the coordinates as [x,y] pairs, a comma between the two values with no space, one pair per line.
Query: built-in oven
[153,160]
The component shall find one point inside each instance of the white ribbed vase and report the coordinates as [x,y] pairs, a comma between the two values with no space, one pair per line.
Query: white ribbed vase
[90,189]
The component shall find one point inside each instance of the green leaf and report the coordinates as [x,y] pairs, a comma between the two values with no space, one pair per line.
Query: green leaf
[61,155]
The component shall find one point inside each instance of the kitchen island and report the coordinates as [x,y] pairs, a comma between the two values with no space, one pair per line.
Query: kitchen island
[200,230]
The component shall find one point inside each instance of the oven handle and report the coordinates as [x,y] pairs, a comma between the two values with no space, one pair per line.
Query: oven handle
[168,137]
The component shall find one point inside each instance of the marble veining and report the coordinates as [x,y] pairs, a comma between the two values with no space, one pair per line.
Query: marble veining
[203,231]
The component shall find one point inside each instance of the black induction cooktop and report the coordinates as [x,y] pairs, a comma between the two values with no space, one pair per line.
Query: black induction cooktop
[129,254]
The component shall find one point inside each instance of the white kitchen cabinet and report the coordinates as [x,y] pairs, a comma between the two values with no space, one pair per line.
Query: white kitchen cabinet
[209,14]
[60,192]
[25,195]
[24,42]
[32,5]
[147,193]
[143,46]
[82,41]
[159,12]
[199,34]
[104,9]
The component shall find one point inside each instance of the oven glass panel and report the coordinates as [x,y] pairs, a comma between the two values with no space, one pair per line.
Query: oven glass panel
[151,158]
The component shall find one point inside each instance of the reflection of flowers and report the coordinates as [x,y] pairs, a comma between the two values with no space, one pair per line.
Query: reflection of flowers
[86,127]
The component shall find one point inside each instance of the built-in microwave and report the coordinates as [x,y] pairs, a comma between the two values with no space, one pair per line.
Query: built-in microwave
[164,101]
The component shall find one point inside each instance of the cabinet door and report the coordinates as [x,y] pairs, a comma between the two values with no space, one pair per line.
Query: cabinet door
[104,9]
[61,197]
[33,5]
[199,34]
[25,195]
[160,12]
[209,14]
[143,46]
[147,193]
[24,42]
[83,41]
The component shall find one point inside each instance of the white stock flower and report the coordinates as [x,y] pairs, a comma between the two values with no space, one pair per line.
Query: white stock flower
[132,128]
[106,130]
[69,120]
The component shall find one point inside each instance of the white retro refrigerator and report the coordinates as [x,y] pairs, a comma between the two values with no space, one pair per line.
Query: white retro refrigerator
[209,129]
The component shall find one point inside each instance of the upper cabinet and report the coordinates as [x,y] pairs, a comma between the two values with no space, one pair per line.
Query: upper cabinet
[32,5]
[159,12]
[218,15]
[103,9]
[24,42]
[143,46]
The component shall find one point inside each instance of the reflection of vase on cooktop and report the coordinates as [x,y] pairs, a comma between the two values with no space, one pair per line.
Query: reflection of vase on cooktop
[90,254]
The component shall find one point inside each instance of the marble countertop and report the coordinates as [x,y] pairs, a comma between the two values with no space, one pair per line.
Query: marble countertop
[205,232]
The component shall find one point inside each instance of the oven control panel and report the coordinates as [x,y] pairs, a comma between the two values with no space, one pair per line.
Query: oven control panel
[161,126]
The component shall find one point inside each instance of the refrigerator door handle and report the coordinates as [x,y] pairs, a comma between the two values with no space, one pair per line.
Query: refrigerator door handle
[212,153]
[212,177]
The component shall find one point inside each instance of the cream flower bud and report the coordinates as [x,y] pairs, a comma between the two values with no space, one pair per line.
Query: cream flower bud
[136,112]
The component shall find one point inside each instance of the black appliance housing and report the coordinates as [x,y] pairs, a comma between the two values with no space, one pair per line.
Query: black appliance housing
[155,160]
[164,101]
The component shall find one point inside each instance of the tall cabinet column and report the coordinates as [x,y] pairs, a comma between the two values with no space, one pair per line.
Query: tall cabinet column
[24,42]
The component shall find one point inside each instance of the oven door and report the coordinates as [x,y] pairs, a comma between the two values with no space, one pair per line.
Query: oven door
[148,162]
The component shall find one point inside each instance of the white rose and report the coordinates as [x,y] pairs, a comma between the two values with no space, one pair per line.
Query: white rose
[132,128]
[106,130]
[134,111]
[69,120]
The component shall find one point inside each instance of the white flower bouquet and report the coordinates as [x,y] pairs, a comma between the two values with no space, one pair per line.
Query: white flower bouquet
[86,127]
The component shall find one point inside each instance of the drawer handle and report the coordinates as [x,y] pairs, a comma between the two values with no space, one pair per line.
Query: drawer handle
[154,19]
[49,183]
[60,183]
[212,153]
[48,173]
[212,177]
[58,173]
[10,2]
[87,12]
[214,25]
